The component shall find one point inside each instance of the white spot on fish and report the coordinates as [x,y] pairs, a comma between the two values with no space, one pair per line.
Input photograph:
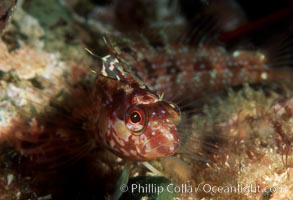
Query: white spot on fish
[213,74]
[264,76]
[169,136]
[112,143]
[235,54]
[112,66]
[143,137]
[262,56]
[104,73]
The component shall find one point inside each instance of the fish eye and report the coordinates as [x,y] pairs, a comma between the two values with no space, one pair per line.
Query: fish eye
[135,119]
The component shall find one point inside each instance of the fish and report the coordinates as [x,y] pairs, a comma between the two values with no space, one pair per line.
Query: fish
[124,112]
[192,76]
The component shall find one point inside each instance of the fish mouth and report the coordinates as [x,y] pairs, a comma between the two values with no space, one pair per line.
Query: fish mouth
[160,149]
[167,149]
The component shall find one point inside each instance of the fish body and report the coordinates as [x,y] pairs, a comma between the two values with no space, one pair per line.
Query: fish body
[193,71]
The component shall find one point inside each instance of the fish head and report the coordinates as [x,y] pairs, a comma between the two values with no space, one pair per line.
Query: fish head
[136,123]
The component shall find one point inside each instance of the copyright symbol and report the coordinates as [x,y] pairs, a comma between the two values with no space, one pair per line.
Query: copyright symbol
[124,188]
[273,189]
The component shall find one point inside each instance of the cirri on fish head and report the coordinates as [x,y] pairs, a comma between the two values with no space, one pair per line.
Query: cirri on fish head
[133,122]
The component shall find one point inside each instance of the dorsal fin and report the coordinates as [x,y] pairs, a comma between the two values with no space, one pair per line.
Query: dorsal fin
[112,69]
[115,69]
